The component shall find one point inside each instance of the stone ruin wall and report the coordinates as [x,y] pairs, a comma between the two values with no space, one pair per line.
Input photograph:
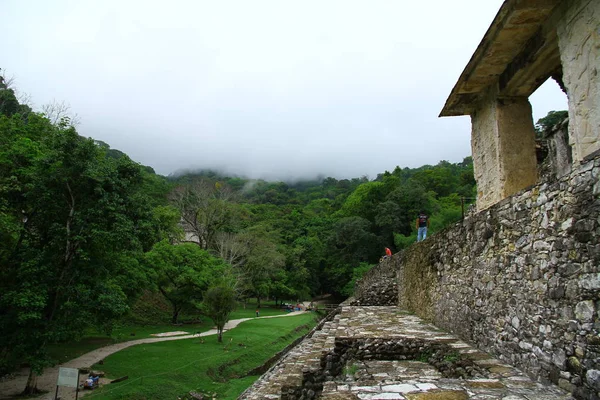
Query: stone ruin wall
[520,280]
[579,41]
[379,287]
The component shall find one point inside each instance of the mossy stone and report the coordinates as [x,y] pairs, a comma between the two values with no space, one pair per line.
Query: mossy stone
[439,395]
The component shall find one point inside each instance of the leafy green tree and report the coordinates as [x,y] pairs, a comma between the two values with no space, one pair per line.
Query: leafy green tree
[350,243]
[9,104]
[263,262]
[403,241]
[182,273]
[550,120]
[362,202]
[410,198]
[219,303]
[280,286]
[389,218]
[441,179]
[165,220]
[448,211]
[72,218]
[357,274]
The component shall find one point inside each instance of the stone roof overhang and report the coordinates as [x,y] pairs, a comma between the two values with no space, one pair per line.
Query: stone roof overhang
[517,41]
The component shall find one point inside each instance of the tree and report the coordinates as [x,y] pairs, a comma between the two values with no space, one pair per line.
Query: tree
[440,179]
[165,219]
[550,120]
[71,218]
[219,302]
[205,209]
[357,274]
[350,243]
[232,247]
[410,198]
[182,273]
[59,113]
[12,102]
[389,219]
[362,202]
[262,263]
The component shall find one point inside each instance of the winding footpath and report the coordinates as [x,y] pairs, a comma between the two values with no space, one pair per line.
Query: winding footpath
[47,381]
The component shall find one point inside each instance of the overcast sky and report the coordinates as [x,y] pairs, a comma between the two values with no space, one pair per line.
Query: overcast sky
[274,89]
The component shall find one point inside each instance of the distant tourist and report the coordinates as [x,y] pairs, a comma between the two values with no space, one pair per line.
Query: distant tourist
[422,224]
[257,312]
[388,252]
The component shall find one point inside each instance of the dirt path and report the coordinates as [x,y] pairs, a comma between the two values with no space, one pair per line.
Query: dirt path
[11,387]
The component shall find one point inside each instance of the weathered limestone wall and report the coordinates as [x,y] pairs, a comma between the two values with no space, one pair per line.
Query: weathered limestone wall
[579,42]
[518,166]
[520,279]
[503,147]
[484,147]
[560,156]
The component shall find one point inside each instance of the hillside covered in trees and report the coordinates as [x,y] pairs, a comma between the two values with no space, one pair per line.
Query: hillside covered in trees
[304,238]
[85,230]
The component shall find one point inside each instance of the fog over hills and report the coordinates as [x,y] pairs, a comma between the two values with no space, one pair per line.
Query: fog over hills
[270,89]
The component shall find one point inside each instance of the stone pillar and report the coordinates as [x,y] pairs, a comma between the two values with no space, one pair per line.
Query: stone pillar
[579,43]
[503,146]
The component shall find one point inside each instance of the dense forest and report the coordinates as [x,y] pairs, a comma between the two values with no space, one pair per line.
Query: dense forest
[84,231]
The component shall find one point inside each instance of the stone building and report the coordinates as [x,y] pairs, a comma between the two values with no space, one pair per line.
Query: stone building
[519,280]
[528,42]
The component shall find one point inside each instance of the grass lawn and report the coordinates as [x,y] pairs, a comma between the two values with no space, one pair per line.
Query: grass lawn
[168,370]
[266,309]
[62,352]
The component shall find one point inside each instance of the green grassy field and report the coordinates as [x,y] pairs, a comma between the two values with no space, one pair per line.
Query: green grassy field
[267,308]
[62,352]
[168,370]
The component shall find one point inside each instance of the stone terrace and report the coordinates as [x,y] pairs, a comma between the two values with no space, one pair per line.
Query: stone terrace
[382,352]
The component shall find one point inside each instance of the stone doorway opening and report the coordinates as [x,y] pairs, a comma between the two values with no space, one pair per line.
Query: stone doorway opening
[554,153]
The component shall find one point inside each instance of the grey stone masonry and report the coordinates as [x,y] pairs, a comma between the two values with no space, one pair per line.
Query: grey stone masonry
[379,287]
[520,280]
[382,352]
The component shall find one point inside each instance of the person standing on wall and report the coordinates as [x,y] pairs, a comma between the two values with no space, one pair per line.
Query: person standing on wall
[422,224]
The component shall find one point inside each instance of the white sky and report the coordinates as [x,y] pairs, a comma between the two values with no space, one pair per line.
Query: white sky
[275,89]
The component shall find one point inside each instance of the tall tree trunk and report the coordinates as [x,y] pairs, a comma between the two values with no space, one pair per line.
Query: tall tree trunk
[31,387]
[175,314]
[258,301]
[220,334]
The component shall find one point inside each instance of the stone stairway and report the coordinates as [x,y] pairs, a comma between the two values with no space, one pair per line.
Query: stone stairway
[382,352]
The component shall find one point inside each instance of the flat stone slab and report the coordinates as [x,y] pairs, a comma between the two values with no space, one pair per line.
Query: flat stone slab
[384,352]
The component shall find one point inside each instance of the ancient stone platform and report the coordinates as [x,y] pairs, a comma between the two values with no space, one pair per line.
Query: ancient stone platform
[382,352]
